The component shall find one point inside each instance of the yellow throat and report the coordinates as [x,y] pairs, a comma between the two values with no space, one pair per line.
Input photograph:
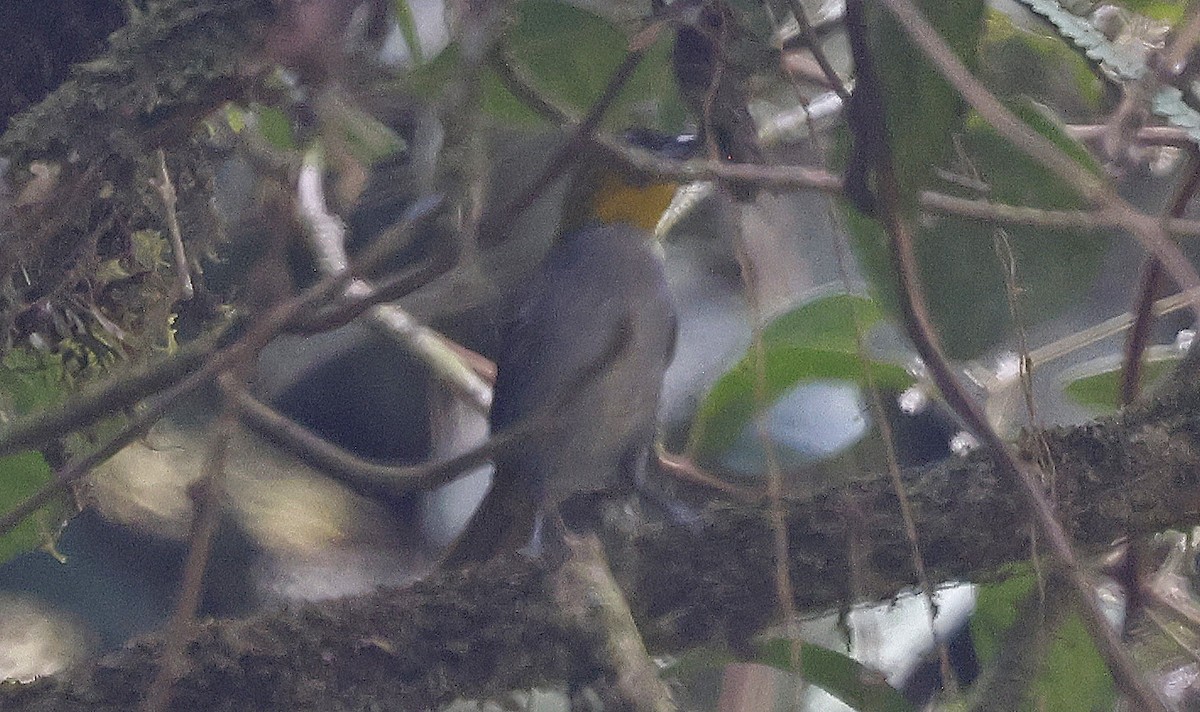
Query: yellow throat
[617,201]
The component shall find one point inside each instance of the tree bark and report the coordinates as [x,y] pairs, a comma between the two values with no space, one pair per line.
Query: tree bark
[496,628]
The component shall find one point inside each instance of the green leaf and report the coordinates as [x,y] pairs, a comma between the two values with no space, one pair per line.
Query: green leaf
[570,54]
[1124,61]
[1070,677]
[815,341]
[963,262]
[408,28]
[149,247]
[367,139]
[923,110]
[1041,120]
[275,127]
[1075,676]
[20,476]
[838,674]
[569,51]
[236,116]
[1170,11]
[1100,391]
[29,381]
[827,323]
[110,271]
[1016,62]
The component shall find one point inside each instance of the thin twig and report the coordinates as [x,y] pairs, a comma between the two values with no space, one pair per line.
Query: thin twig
[350,307]
[370,479]
[138,425]
[684,469]
[1012,291]
[1150,135]
[389,482]
[521,85]
[166,192]
[1084,337]
[1171,63]
[809,35]
[920,330]
[1039,444]
[879,414]
[764,176]
[328,238]
[818,178]
[1037,217]
[136,428]
[1138,337]
[209,498]
[1143,314]
[784,588]
[479,30]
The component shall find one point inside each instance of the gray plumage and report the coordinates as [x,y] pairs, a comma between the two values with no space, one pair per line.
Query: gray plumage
[601,293]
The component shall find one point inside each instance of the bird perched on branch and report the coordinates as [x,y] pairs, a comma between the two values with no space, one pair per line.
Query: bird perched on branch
[585,349]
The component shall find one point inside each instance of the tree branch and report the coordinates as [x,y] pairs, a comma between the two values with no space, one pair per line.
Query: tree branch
[496,628]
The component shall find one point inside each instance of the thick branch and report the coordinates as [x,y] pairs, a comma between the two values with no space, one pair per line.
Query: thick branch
[497,629]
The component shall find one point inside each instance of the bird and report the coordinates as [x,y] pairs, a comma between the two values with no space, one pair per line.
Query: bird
[585,347]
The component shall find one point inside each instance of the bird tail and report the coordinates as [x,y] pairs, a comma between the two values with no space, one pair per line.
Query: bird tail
[503,523]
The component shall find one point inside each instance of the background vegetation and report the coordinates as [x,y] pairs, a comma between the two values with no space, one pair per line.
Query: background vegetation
[975,212]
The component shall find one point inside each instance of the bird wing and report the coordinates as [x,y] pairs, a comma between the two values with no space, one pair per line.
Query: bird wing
[585,349]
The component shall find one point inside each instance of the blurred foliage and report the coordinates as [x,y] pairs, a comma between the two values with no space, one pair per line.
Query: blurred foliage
[1016,62]
[24,474]
[1168,11]
[840,675]
[101,289]
[964,262]
[29,382]
[1070,674]
[818,340]
[274,125]
[1101,391]
[570,54]
[408,27]
[921,109]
